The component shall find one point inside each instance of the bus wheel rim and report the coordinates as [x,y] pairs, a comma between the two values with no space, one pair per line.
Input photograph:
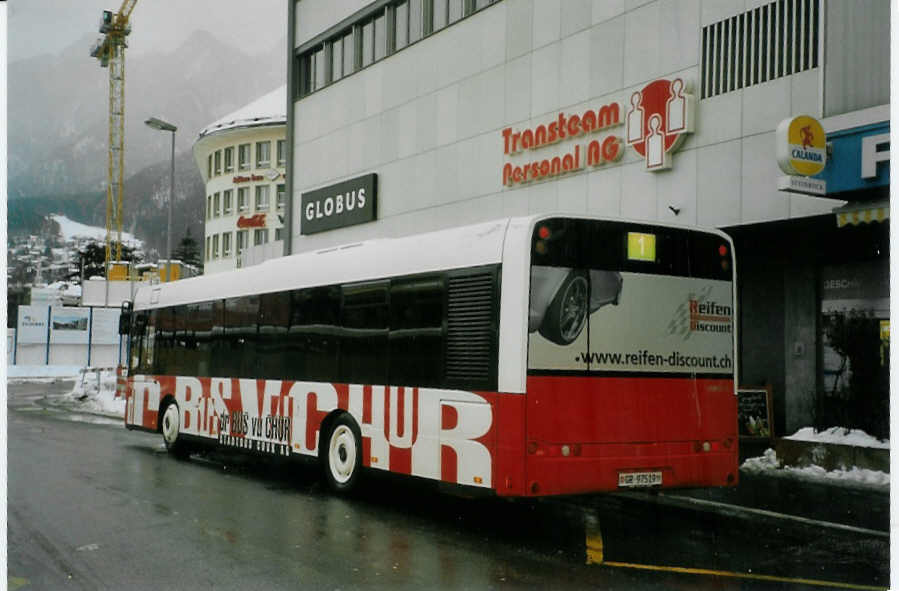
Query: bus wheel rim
[574,309]
[170,424]
[342,454]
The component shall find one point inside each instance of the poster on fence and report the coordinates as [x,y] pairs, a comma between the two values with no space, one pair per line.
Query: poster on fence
[32,324]
[105,327]
[69,326]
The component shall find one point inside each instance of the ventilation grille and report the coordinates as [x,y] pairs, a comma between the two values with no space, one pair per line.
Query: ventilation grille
[469,338]
[768,42]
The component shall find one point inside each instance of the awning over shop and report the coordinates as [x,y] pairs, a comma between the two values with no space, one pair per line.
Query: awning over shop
[853,214]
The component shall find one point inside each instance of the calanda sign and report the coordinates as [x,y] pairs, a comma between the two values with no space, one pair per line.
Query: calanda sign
[655,122]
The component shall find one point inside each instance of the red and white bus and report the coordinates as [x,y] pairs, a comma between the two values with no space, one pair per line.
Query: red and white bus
[531,356]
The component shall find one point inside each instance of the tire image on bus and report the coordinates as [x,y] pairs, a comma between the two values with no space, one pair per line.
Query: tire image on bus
[562,300]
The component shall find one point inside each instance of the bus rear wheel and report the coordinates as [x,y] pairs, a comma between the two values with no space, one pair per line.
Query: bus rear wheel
[171,432]
[341,456]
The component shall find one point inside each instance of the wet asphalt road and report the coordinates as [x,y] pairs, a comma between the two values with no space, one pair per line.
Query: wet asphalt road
[94,506]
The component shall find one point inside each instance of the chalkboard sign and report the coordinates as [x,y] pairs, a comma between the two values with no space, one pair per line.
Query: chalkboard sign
[754,412]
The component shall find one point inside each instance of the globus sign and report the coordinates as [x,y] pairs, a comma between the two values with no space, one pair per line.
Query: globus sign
[658,118]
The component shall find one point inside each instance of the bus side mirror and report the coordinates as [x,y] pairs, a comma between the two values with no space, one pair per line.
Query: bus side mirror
[125,319]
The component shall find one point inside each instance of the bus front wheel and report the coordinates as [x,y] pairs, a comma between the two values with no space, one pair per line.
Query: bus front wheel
[341,456]
[171,432]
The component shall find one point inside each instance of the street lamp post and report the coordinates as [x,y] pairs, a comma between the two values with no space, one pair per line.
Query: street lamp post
[161,125]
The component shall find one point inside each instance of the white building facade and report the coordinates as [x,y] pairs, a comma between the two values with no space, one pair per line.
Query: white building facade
[243,159]
[449,112]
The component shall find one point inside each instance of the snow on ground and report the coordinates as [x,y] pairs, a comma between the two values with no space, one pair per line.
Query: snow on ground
[94,391]
[769,462]
[841,436]
[71,229]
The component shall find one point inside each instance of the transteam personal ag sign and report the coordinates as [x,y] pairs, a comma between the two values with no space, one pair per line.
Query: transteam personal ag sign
[343,204]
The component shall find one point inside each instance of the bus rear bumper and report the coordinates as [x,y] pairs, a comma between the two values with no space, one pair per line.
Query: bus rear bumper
[581,475]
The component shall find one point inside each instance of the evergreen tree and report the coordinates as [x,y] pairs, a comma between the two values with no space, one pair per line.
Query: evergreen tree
[92,258]
[188,251]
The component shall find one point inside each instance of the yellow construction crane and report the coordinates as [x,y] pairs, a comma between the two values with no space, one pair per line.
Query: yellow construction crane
[110,50]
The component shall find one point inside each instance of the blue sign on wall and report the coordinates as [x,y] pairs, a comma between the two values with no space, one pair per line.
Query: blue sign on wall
[860,159]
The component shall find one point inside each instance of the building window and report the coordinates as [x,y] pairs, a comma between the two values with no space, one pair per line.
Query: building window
[401,25]
[261,197]
[208,243]
[218,162]
[279,233]
[260,236]
[282,153]
[349,62]
[456,10]
[241,240]
[215,205]
[209,207]
[226,244]
[336,60]
[209,167]
[281,197]
[263,154]
[229,159]
[415,21]
[215,246]
[227,201]
[243,156]
[243,199]
[380,37]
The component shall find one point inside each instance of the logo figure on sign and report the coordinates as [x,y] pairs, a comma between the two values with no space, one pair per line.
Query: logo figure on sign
[659,118]
[807,136]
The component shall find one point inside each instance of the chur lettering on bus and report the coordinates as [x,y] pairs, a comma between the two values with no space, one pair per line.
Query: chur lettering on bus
[432,433]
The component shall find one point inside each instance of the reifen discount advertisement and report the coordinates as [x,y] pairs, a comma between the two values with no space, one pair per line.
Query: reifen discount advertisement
[609,321]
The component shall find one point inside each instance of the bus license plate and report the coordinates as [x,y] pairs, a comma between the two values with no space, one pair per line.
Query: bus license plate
[638,479]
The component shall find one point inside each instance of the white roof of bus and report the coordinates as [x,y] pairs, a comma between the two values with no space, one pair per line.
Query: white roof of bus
[454,248]
[467,246]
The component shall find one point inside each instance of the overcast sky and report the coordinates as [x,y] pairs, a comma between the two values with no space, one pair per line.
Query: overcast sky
[48,26]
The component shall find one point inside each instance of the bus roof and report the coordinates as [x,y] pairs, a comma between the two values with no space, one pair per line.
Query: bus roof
[465,246]
[441,250]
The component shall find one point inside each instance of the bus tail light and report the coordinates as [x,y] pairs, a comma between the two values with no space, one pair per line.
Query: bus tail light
[532,447]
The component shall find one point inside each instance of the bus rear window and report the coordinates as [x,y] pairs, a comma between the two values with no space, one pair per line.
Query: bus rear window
[636,248]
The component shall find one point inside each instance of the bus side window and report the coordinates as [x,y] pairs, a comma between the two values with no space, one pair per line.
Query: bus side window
[417,331]
[364,338]
[313,340]
[138,332]
[272,345]
[234,349]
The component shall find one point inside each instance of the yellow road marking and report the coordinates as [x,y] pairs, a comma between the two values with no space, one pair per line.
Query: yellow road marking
[594,547]
[594,539]
[724,573]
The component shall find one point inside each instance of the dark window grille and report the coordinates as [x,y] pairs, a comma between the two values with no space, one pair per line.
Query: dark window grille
[765,43]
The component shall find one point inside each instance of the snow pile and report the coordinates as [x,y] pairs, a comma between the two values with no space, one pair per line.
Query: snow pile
[767,461]
[841,436]
[770,462]
[95,391]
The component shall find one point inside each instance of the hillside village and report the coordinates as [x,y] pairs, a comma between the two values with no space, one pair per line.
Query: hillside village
[48,268]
